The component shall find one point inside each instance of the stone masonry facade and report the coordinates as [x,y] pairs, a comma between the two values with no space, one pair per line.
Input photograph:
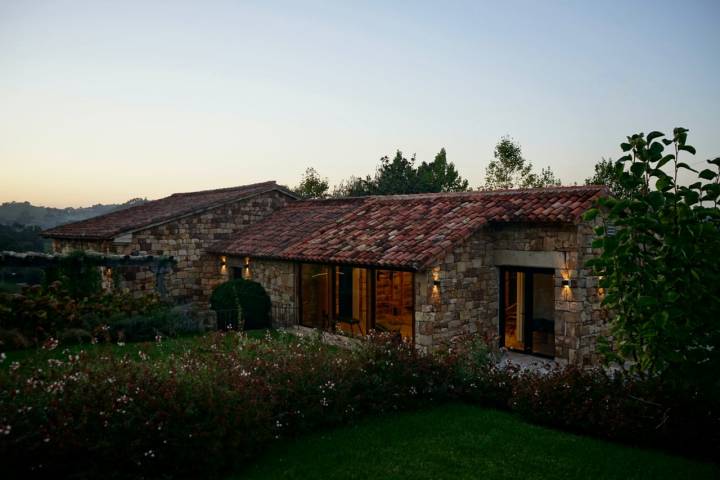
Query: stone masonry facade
[467,300]
[196,272]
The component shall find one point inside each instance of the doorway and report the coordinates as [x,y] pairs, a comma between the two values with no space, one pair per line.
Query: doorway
[527,310]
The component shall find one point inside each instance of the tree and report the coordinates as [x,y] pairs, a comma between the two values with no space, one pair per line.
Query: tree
[396,176]
[658,264]
[353,187]
[440,176]
[399,176]
[312,185]
[510,169]
[608,173]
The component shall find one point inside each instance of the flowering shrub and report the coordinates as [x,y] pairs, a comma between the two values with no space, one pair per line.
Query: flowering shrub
[29,317]
[214,406]
[201,411]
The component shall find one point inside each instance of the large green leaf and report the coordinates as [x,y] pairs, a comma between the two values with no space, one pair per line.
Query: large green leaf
[653,135]
[707,174]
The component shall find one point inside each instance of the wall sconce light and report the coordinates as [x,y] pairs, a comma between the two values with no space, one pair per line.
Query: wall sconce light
[223,261]
[568,283]
[436,283]
[246,267]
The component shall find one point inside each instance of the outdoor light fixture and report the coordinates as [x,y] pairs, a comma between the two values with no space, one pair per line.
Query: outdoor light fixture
[436,283]
[568,283]
[223,261]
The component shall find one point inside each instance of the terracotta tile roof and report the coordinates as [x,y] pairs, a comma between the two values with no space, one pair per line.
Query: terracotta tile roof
[401,231]
[154,212]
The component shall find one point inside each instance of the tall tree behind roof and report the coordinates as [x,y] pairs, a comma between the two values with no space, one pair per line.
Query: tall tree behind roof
[509,169]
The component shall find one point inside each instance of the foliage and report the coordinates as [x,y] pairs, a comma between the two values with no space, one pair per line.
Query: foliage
[194,413]
[609,173]
[241,295]
[400,176]
[660,268]
[144,327]
[510,169]
[352,187]
[217,405]
[39,313]
[440,176]
[21,238]
[312,185]
[78,274]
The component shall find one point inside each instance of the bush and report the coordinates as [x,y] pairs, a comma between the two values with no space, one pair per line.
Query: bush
[38,313]
[199,412]
[241,295]
[218,405]
[139,328]
[662,287]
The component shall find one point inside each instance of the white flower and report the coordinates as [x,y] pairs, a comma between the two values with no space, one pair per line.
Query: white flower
[2,357]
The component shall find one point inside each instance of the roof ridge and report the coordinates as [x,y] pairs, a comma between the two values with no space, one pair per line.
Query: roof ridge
[225,189]
[478,193]
[185,199]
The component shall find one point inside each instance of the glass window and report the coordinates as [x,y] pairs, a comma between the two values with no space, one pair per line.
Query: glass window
[543,314]
[514,303]
[394,303]
[352,299]
[315,295]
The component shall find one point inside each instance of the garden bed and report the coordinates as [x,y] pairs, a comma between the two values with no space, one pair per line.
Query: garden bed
[201,406]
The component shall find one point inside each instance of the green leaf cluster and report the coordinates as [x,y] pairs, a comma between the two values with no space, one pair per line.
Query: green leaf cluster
[659,265]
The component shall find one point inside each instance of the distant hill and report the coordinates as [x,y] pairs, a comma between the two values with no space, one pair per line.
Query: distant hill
[24,213]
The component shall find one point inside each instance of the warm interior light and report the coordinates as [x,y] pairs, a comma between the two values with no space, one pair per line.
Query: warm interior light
[246,267]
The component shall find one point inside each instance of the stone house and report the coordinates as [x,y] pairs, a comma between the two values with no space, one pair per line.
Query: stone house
[505,265]
[182,225]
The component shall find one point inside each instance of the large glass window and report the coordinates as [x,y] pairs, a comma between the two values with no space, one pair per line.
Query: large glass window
[543,314]
[341,297]
[352,299]
[394,303]
[514,304]
[315,295]
[528,310]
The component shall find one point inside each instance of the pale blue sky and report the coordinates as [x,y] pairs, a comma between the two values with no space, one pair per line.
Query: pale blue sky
[103,101]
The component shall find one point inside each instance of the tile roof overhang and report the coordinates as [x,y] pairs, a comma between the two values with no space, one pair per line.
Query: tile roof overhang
[157,212]
[400,231]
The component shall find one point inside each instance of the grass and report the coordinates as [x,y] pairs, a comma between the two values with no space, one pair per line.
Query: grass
[463,442]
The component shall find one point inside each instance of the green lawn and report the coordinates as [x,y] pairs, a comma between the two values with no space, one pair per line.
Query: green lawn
[460,441]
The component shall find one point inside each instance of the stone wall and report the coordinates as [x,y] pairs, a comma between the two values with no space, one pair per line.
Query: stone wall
[185,239]
[466,301]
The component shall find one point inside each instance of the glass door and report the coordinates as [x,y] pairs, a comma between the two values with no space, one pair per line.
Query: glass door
[527,310]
